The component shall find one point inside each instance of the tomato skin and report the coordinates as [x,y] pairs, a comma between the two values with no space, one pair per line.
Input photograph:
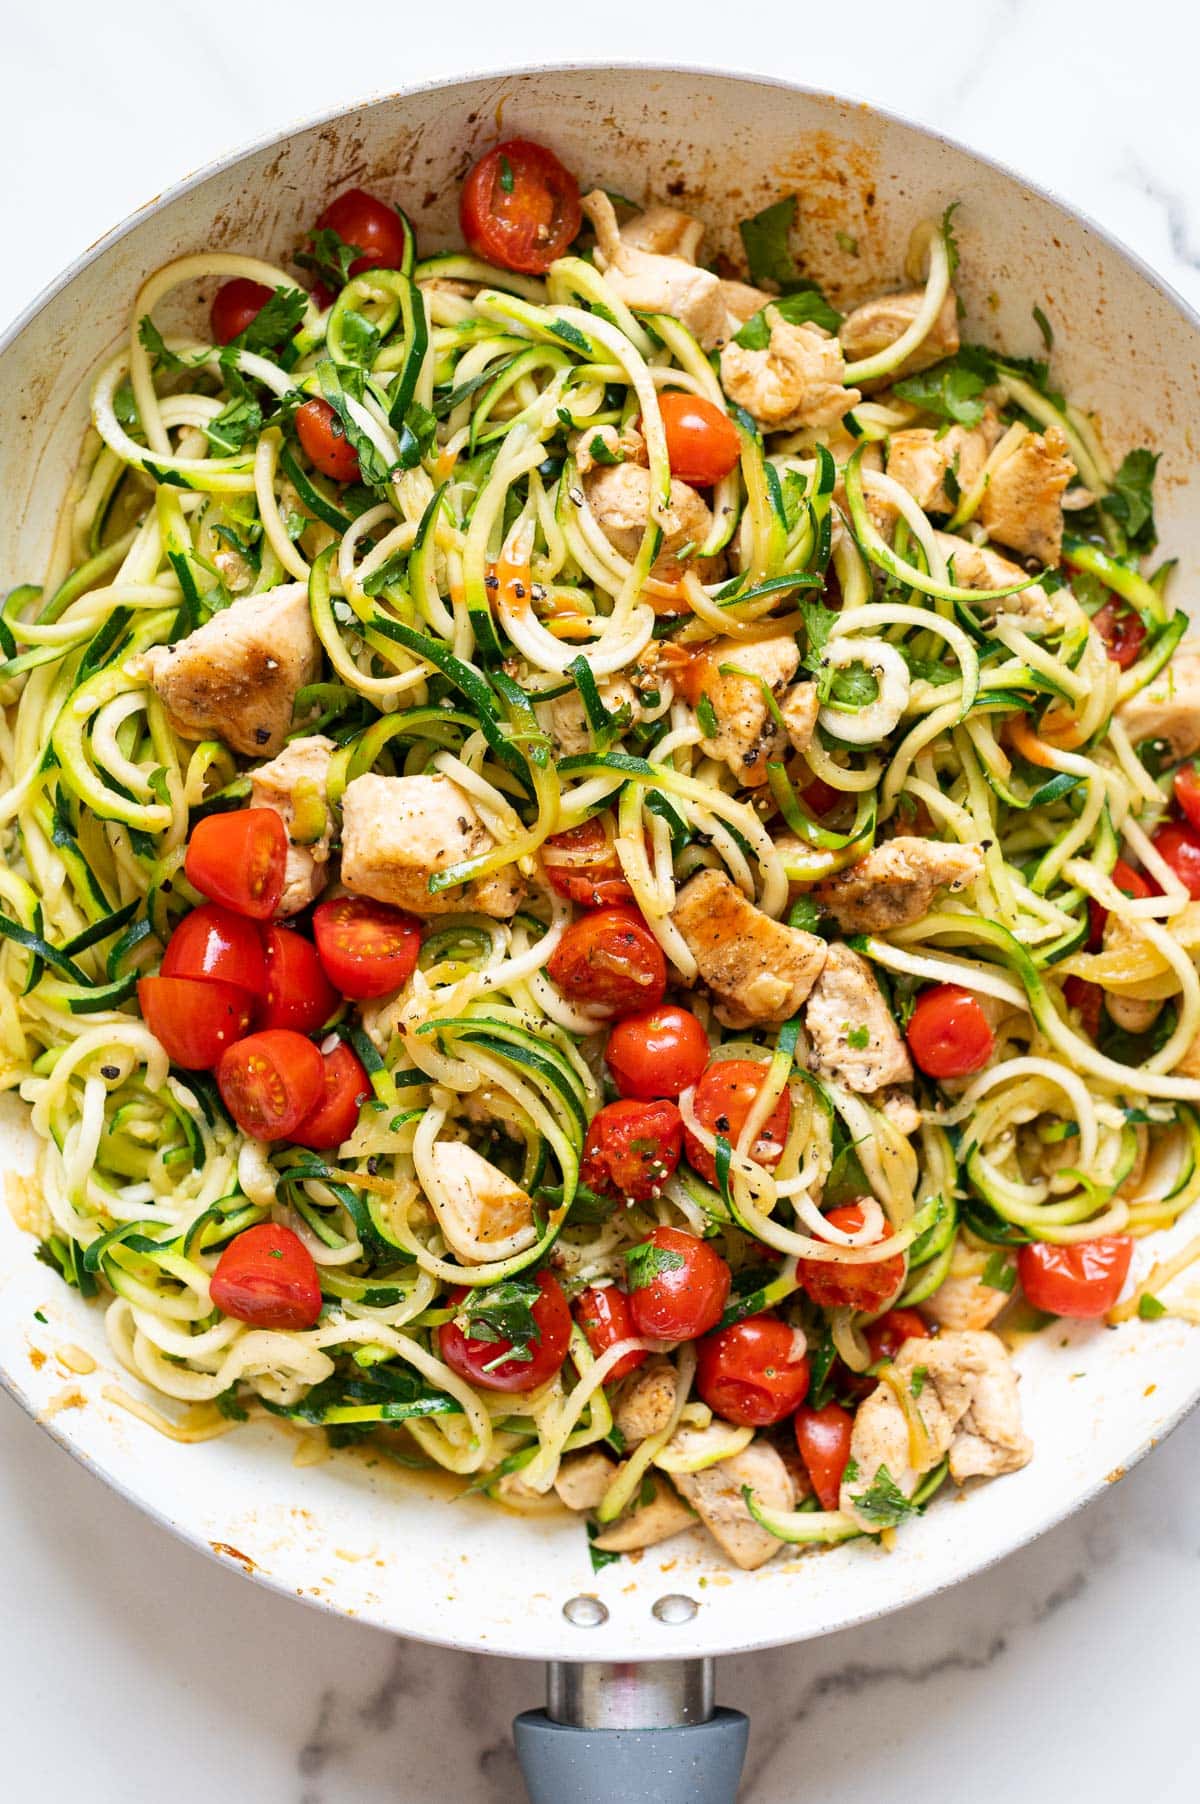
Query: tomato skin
[823,1437]
[346,1086]
[866,1287]
[610,956]
[749,1373]
[819,796]
[194,1018]
[722,1102]
[948,1033]
[702,441]
[235,306]
[582,865]
[657,1052]
[469,1357]
[297,993]
[1131,883]
[1186,785]
[603,1313]
[266,1276]
[238,859]
[270,1082]
[323,441]
[1082,1280]
[213,942]
[886,1336]
[632,1148]
[370,225]
[526,218]
[683,1300]
[367,948]
[1088,999]
[1122,631]
[1179,844]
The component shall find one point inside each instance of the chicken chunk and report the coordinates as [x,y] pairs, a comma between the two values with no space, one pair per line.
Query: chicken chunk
[481,1212]
[664,232]
[619,497]
[877,324]
[797,380]
[900,1109]
[583,1478]
[664,1514]
[742,302]
[236,677]
[747,735]
[799,708]
[919,459]
[758,969]
[963,1300]
[294,786]
[1135,1014]
[854,1037]
[716,1495]
[1169,707]
[568,719]
[895,883]
[978,567]
[1022,505]
[398,832]
[649,281]
[647,1401]
[597,447]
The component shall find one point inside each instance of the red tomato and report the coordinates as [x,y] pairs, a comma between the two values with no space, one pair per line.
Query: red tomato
[214,942]
[367,948]
[1179,844]
[1186,784]
[886,1336]
[1121,630]
[370,225]
[632,1148]
[194,1018]
[1088,1000]
[583,866]
[702,441]
[657,1052]
[678,1286]
[336,1115]
[1130,883]
[823,1437]
[841,1286]
[323,440]
[235,305]
[603,1313]
[1081,1280]
[722,1102]
[483,1362]
[610,956]
[520,207]
[270,1082]
[819,796]
[238,859]
[267,1277]
[751,1373]
[298,993]
[948,1033]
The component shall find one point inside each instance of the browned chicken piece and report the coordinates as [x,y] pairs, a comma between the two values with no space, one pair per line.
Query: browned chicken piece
[1168,708]
[715,1493]
[480,1210]
[569,727]
[742,302]
[662,1515]
[799,708]
[797,380]
[978,567]
[664,232]
[294,786]
[583,1478]
[1022,505]
[919,459]
[896,882]
[900,1109]
[596,447]
[650,282]
[398,832]
[619,497]
[759,970]
[747,734]
[646,1401]
[877,324]
[853,1035]
[963,1300]
[236,677]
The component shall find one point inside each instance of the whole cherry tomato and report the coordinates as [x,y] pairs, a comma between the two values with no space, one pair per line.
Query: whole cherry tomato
[610,956]
[238,859]
[235,306]
[582,864]
[485,1362]
[335,1116]
[886,1336]
[724,1097]
[702,441]
[194,1018]
[267,1277]
[1083,1279]
[657,1052]
[1130,883]
[323,441]
[1122,631]
[949,1034]
[370,225]
[678,1285]
[520,207]
[1178,842]
[214,942]
[823,1437]
[270,1082]
[754,1372]
[843,1286]
[367,948]
[603,1313]
[631,1149]
[298,993]
[1186,785]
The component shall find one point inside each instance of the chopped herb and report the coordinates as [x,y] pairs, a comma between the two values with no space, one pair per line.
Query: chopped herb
[706,714]
[39,1315]
[847,244]
[850,1471]
[948,391]
[916,1383]
[275,320]
[951,241]
[859,1038]
[151,340]
[360,338]
[767,242]
[820,623]
[646,1263]
[238,422]
[602,453]
[951,484]
[1130,501]
[506,175]
[803,307]
[999,1273]
[805,914]
[883,1503]
[230,1408]
[329,256]
[1150,1308]
[599,1556]
[502,1314]
[1044,327]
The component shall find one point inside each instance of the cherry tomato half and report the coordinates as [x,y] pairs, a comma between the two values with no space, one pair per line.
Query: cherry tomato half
[1081,1280]
[298,993]
[520,207]
[323,440]
[370,225]
[583,866]
[1087,999]
[367,948]
[702,441]
[1178,842]
[238,859]
[214,942]
[657,1052]
[886,1336]
[751,1373]
[270,1082]
[723,1100]
[632,1148]
[194,1018]
[1130,883]
[1122,631]
[267,1277]
[336,1115]
[610,956]
[678,1285]
[483,1362]
[823,1437]
[841,1286]
[948,1033]
[1186,785]
[603,1313]
[236,305]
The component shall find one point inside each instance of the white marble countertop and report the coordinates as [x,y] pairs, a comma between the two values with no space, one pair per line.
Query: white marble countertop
[129,1667]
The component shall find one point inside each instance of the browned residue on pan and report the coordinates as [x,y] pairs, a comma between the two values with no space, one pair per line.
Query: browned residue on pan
[234,1553]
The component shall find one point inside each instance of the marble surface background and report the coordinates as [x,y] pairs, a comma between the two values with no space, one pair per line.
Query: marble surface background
[130,1669]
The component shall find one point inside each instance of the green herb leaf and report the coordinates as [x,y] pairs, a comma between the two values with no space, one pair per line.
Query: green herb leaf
[1044,327]
[151,340]
[275,321]
[503,1315]
[948,235]
[329,256]
[1150,1308]
[238,423]
[706,715]
[646,1262]
[820,623]
[883,1503]
[601,453]
[506,175]
[916,1383]
[767,242]
[805,914]
[1130,502]
[802,307]
[599,1556]
[999,1273]
[360,338]
[859,1038]
[948,391]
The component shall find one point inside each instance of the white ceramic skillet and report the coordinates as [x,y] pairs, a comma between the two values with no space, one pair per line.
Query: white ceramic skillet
[388,1548]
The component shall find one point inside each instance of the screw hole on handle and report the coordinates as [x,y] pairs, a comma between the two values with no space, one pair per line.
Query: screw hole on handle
[675,1608]
[585,1612]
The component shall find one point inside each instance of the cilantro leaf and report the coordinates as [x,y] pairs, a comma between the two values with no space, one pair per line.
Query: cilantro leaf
[502,1314]
[999,1273]
[275,320]
[706,716]
[239,421]
[1044,327]
[805,914]
[360,339]
[646,1262]
[600,453]
[951,241]
[766,239]
[416,435]
[329,256]
[859,1038]
[883,1503]
[1150,1308]
[820,623]
[916,1383]
[152,341]
[949,391]
[801,307]
[1130,502]
[599,1556]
